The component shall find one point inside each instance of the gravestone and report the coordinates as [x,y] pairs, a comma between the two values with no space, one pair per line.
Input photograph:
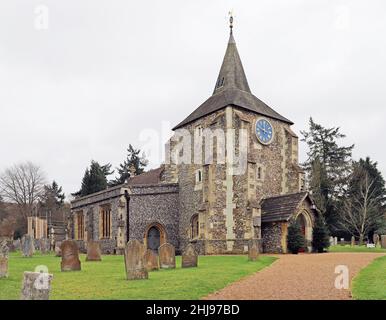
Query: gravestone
[167,256]
[36,286]
[27,246]
[135,263]
[17,244]
[335,241]
[58,249]
[383,241]
[151,260]
[331,241]
[44,245]
[93,251]
[376,239]
[352,241]
[253,250]
[189,257]
[3,258]
[70,256]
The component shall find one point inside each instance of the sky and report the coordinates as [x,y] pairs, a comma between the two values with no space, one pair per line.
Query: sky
[80,80]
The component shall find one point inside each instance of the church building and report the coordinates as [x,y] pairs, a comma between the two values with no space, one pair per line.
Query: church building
[248,185]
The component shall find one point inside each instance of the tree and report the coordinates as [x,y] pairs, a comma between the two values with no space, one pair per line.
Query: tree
[327,169]
[320,235]
[52,202]
[94,179]
[295,238]
[363,203]
[22,184]
[133,165]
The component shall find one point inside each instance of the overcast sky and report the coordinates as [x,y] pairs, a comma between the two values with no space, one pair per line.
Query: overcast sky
[104,71]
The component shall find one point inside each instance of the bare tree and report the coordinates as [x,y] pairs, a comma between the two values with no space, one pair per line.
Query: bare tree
[360,211]
[22,184]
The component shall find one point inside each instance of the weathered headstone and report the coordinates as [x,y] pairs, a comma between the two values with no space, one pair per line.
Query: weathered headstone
[135,263]
[335,241]
[3,258]
[151,260]
[70,256]
[331,241]
[352,241]
[36,286]
[27,246]
[167,256]
[58,249]
[376,239]
[93,251]
[189,257]
[253,250]
[17,244]
[44,245]
[383,241]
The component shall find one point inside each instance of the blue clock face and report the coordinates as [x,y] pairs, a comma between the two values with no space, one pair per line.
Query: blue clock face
[264,131]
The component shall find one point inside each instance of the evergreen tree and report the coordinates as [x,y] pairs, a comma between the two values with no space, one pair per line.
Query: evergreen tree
[320,235]
[328,168]
[94,179]
[295,238]
[133,165]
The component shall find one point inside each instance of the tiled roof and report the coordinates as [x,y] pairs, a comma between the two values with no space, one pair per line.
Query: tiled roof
[281,208]
[150,177]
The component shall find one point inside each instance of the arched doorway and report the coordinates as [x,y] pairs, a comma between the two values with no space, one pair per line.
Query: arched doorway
[153,238]
[302,223]
[305,222]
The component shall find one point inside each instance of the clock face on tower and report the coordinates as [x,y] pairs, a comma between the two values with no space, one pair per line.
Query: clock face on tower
[264,131]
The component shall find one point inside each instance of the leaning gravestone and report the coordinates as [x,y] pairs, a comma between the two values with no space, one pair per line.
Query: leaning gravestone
[189,257]
[36,286]
[376,239]
[253,250]
[167,256]
[3,258]
[70,256]
[27,246]
[44,245]
[383,241]
[352,241]
[58,249]
[93,251]
[135,263]
[151,260]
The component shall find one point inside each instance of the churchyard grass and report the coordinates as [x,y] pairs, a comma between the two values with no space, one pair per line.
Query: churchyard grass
[349,248]
[370,283]
[107,279]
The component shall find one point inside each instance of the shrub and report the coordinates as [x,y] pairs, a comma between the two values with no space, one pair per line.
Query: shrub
[320,235]
[295,238]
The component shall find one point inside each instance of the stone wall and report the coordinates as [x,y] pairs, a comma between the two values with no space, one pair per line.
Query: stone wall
[272,237]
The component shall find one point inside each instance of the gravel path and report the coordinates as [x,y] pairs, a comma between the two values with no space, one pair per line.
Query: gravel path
[298,277]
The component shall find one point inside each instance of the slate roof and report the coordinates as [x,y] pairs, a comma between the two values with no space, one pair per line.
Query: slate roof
[281,208]
[150,177]
[232,89]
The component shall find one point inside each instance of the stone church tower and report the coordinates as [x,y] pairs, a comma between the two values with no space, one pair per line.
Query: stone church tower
[220,202]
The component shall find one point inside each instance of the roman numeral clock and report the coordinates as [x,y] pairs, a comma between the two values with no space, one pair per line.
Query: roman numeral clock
[264,131]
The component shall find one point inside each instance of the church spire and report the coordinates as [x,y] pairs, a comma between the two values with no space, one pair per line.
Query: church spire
[232,73]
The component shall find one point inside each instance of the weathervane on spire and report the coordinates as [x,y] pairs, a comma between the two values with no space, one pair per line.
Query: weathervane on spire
[231,20]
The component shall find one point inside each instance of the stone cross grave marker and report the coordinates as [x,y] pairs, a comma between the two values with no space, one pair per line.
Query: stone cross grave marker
[70,256]
[167,256]
[189,257]
[36,286]
[135,263]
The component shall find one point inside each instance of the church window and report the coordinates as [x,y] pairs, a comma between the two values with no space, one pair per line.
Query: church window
[105,222]
[259,173]
[79,231]
[220,82]
[195,227]
[199,176]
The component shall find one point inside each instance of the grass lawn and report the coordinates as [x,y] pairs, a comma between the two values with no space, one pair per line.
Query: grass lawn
[107,280]
[348,248]
[370,283]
